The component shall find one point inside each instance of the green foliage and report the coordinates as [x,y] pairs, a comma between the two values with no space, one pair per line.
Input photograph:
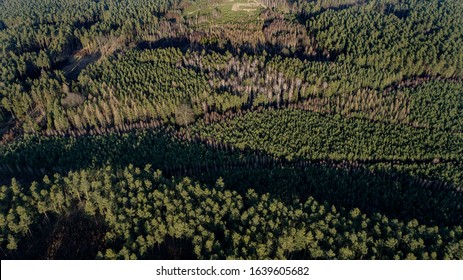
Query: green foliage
[410,37]
[306,135]
[326,129]
[386,187]
[437,105]
[142,210]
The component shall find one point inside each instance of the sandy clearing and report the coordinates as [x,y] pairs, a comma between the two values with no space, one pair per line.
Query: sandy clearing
[247,6]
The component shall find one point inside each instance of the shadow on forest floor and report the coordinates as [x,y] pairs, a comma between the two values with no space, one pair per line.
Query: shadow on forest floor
[185,44]
[341,184]
[77,63]
[77,236]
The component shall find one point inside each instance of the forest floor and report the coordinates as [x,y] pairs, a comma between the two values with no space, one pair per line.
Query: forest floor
[78,62]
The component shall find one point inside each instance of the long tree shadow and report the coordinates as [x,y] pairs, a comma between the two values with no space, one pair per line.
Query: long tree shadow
[224,45]
[341,184]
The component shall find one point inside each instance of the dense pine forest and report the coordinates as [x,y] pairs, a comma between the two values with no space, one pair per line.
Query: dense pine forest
[231,129]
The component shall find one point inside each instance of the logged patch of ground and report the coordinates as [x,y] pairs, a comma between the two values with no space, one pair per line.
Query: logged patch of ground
[224,11]
[78,62]
[248,7]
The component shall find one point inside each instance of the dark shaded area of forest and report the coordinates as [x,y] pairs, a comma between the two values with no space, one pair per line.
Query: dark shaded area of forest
[343,183]
[206,129]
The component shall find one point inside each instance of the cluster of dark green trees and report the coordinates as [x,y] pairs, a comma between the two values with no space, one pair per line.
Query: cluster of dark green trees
[372,187]
[39,37]
[171,86]
[433,153]
[324,129]
[392,43]
[141,210]
[300,134]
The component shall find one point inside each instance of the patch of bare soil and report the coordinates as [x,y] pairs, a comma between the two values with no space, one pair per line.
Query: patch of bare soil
[247,7]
